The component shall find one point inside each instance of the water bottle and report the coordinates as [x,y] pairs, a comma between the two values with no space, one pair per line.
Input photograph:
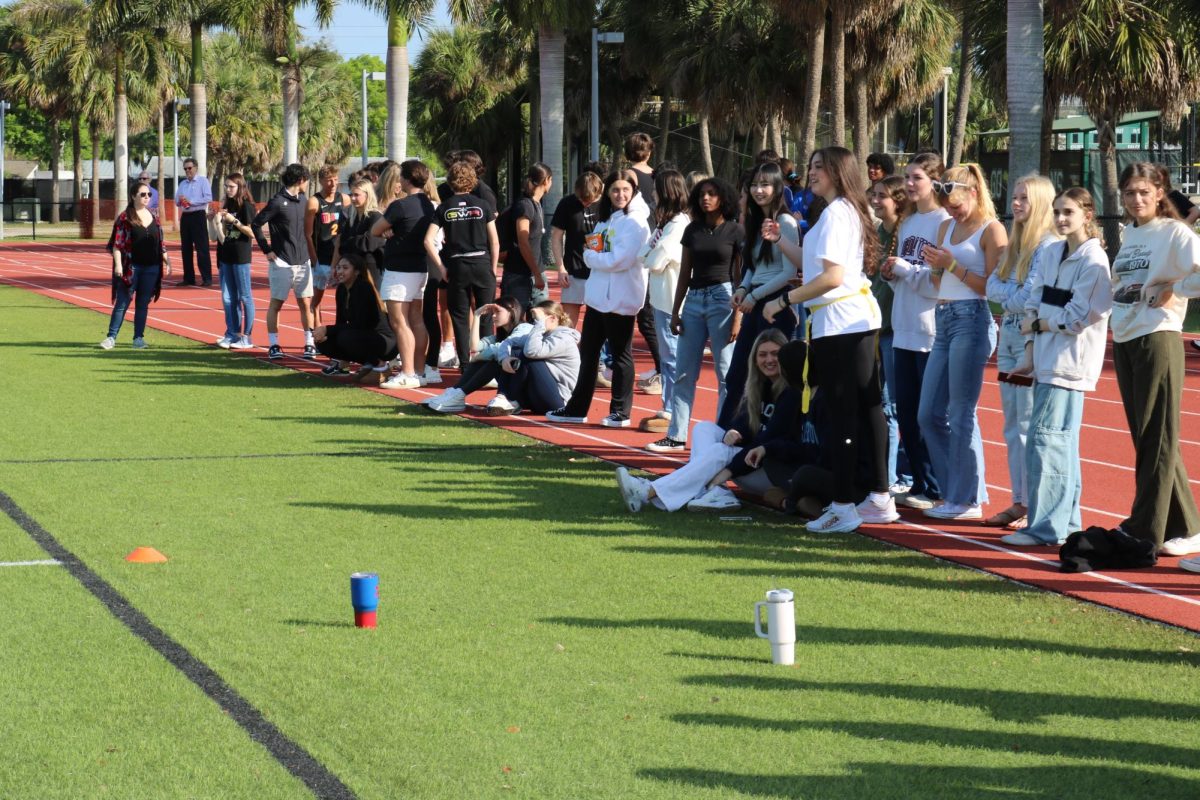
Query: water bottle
[781,625]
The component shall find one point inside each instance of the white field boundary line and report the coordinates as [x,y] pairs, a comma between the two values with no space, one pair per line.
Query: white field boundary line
[1039,560]
[46,562]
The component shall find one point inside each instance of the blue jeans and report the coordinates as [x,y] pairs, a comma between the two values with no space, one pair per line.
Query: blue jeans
[236,299]
[141,291]
[531,387]
[668,344]
[898,469]
[966,336]
[1017,402]
[1052,463]
[906,380]
[739,365]
[706,317]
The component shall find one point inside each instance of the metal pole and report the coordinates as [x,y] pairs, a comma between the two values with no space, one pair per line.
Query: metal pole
[595,116]
[945,113]
[3,108]
[175,151]
[364,119]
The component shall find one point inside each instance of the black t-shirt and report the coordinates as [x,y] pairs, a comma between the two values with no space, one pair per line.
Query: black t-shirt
[481,190]
[409,217]
[236,247]
[145,245]
[1181,201]
[646,190]
[713,252]
[577,221]
[530,209]
[325,225]
[464,219]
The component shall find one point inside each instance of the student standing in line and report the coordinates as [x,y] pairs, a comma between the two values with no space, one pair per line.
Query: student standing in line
[573,220]
[522,264]
[192,196]
[361,334]
[468,257]
[1009,287]
[1066,324]
[969,246]
[766,274]
[321,219]
[701,312]
[405,271]
[139,260]
[639,149]
[913,321]
[615,291]
[233,262]
[388,188]
[354,231]
[288,267]
[1155,271]
[844,322]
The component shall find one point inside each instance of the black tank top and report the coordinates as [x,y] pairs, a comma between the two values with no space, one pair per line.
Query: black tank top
[325,226]
[145,247]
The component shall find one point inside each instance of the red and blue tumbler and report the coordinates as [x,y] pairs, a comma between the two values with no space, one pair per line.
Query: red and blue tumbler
[364,596]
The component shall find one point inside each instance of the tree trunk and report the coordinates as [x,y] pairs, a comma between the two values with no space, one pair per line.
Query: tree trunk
[837,73]
[397,72]
[551,75]
[199,96]
[77,163]
[1026,58]
[121,137]
[55,169]
[812,92]
[862,124]
[1107,141]
[160,179]
[290,83]
[777,133]
[534,92]
[94,133]
[760,128]
[1047,139]
[664,124]
[705,144]
[966,65]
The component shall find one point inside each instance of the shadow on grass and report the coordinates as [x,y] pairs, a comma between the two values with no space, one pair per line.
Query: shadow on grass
[317,623]
[889,637]
[874,779]
[1124,751]
[1001,704]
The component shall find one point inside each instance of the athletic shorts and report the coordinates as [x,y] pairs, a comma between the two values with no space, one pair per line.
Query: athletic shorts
[403,287]
[573,293]
[323,276]
[288,279]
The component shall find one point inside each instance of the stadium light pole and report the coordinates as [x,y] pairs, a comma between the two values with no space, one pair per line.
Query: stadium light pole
[3,108]
[598,39]
[374,76]
[179,101]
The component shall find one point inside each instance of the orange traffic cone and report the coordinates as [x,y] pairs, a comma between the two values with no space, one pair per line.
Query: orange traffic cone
[145,555]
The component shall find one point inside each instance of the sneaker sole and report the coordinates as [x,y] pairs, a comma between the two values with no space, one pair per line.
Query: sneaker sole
[618,424]
[654,449]
[623,480]
[954,517]
[568,420]
[500,412]
[879,520]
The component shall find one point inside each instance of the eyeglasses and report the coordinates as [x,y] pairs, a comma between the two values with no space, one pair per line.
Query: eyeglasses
[143,194]
[947,187]
[188,169]
[143,177]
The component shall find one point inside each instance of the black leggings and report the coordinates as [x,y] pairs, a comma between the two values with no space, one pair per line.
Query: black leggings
[357,345]
[476,375]
[433,321]
[469,280]
[645,326]
[616,329]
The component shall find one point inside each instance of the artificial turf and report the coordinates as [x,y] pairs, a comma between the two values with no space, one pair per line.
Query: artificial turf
[535,640]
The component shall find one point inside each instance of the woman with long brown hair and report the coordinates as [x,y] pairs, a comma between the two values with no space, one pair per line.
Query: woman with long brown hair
[233,262]
[139,260]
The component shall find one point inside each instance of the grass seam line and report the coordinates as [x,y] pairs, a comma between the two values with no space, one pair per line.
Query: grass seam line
[290,755]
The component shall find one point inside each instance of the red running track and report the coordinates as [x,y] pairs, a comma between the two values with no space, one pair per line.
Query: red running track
[78,274]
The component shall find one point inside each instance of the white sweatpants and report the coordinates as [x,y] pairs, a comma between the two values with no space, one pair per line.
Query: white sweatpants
[708,457]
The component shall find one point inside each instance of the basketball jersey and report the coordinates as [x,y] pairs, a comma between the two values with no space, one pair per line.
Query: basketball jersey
[325,226]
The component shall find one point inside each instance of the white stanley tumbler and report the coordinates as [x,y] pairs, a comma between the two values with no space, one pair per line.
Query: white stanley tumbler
[781,625]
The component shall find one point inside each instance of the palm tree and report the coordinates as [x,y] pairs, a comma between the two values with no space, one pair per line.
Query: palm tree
[244,133]
[966,67]
[1025,58]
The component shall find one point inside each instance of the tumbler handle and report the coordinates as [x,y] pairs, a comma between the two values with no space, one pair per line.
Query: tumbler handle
[758,629]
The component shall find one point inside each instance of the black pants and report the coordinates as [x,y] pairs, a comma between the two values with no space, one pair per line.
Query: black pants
[469,280]
[645,326]
[357,345]
[193,234]
[847,370]
[433,321]
[616,329]
[476,374]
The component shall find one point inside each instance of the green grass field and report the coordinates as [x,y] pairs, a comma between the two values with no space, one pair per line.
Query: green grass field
[535,641]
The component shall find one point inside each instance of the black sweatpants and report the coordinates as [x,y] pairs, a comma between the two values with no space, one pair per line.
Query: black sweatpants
[645,326]
[193,235]
[616,329]
[470,279]
[355,344]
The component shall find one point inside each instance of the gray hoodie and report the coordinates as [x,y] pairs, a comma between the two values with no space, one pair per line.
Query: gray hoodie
[559,350]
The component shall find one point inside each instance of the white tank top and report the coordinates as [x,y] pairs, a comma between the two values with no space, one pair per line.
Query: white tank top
[969,255]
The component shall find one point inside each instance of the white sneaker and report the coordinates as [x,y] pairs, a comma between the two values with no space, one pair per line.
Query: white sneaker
[1181,546]
[224,342]
[451,401]
[108,343]
[954,511]
[898,489]
[834,520]
[918,501]
[447,357]
[501,406]
[431,377]
[243,343]
[662,413]
[634,491]
[718,498]
[1190,564]
[401,381]
[874,513]
[139,344]
[647,375]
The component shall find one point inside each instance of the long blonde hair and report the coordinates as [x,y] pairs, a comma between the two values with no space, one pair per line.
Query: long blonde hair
[1027,235]
[388,186]
[972,176]
[372,204]
[752,400]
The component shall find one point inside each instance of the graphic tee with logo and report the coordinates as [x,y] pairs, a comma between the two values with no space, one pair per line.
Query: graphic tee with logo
[464,220]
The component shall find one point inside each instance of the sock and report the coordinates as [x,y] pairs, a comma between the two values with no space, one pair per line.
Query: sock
[272,339]
[880,498]
[308,339]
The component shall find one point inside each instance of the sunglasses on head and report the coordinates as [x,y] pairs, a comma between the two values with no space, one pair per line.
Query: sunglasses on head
[947,187]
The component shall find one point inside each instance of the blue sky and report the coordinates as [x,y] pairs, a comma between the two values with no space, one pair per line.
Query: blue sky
[356,31]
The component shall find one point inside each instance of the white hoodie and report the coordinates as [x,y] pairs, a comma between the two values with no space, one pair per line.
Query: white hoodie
[662,254]
[617,284]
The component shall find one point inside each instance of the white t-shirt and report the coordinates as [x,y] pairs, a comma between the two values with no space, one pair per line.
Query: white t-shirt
[1162,250]
[837,237]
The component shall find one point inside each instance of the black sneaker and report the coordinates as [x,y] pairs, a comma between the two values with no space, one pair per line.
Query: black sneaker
[1196,343]
[335,368]
[310,351]
[666,445]
[274,352]
[615,420]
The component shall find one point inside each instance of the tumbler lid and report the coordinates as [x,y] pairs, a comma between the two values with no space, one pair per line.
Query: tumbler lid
[779,596]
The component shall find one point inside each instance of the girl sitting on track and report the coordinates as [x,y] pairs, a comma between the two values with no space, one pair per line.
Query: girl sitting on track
[506,315]
[542,368]
[139,258]
[1067,324]
[760,450]
[361,333]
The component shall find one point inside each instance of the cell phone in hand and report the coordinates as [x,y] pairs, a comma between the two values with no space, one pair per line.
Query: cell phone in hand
[1015,379]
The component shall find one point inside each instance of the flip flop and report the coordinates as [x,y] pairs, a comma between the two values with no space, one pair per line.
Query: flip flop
[1018,524]
[1004,518]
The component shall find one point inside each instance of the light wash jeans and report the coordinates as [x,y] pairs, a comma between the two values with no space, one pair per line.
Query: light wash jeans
[1052,463]
[668,345]
[707,318]
[966,336]
[237,299]
[898,468]
[1017,402]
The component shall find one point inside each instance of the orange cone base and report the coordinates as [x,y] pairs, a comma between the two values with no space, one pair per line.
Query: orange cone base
[146,555]
[364,619]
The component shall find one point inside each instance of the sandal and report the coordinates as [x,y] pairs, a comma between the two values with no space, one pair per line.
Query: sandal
[1006,517]
[1017,524]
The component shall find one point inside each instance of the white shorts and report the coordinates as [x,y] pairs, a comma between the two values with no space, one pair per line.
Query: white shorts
[403,287]
[573,293]
[288,279]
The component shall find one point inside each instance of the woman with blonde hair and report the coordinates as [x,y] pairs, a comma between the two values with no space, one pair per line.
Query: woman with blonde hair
[355,230]
[969,246]
[1008,287]
[388,188]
